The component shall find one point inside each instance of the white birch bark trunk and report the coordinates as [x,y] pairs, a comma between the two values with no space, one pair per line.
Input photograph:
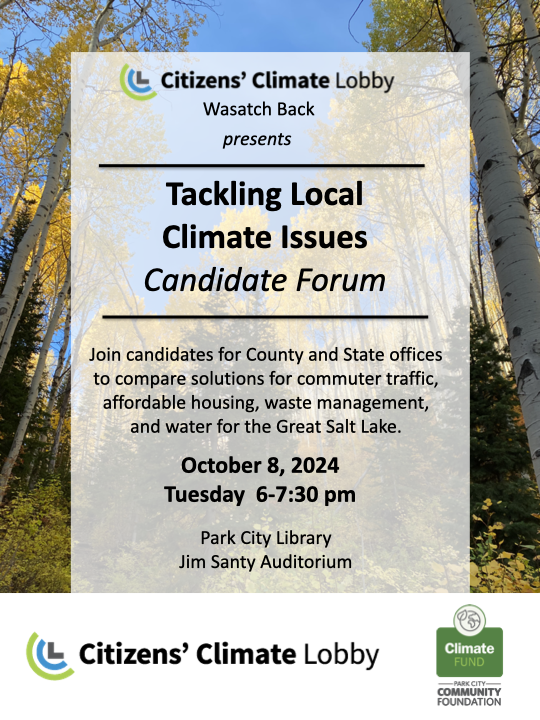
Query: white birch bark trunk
[20,433]
[476,295]
[531,32]
[7,222]
[18,264]
[55,386]
[58,433]
[507,219]
[529,151]
[16,315]
[59,371]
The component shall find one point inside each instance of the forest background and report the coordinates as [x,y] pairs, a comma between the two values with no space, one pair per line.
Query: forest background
[36,346]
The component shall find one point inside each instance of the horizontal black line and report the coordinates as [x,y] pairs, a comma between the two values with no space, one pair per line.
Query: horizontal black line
[264,317]
[257,165]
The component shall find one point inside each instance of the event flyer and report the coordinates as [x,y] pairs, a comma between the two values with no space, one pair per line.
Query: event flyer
[269,376]
[273,355]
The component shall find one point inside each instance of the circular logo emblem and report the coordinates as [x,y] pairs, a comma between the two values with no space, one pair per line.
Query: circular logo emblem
[134,85]
[469,620]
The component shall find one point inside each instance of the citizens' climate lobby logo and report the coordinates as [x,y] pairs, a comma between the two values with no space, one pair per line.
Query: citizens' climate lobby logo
[45,661]
[469,649]
[134,85]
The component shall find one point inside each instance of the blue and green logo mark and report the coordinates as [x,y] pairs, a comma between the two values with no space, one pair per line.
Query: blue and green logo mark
[40,656]
[469,649]
[134,85]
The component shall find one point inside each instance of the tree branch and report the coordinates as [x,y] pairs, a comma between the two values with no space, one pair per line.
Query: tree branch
[98,27]
[126,28]
[7,81]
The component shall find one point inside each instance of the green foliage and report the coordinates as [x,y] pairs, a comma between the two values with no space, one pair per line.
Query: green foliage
[412,26]
[494,570]
[35,542]
[500,461]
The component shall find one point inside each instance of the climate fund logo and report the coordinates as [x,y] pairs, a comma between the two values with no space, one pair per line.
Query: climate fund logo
[469,649]
[134,85]
[45,660]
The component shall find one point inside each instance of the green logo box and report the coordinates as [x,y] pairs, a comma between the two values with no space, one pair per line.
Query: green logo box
[476,656]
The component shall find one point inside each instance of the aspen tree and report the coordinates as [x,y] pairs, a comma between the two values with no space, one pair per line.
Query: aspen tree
[506,213]
[20,433]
